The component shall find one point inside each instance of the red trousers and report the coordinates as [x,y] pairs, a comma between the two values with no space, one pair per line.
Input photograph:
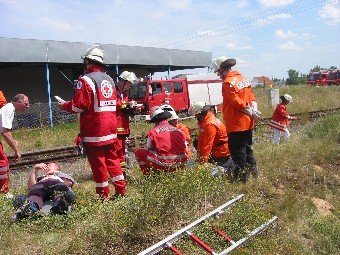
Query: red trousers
[104,163]
[4,171]
[121,151]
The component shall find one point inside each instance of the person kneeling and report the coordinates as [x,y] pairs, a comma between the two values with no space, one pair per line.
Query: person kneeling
[53,186]
[166,146]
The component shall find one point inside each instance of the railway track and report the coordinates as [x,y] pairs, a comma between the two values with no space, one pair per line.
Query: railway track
[70,153]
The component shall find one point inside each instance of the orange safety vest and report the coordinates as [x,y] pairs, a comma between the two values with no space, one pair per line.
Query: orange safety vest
[3,100]
[237,94]
[212,138]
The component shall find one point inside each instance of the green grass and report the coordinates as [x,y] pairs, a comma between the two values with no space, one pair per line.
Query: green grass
[291,175]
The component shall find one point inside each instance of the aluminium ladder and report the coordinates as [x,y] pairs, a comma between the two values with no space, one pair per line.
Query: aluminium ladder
[167,243]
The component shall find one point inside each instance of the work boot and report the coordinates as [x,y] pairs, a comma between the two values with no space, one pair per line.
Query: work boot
[61,203]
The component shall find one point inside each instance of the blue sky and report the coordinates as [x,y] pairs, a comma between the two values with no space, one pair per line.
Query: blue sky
[266,37]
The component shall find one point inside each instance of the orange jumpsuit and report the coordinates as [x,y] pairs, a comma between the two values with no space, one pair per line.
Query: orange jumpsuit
[237,94]
[186,132]
[212,139]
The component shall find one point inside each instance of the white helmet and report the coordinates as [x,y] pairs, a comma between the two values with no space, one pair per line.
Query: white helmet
[129,76]
[222,62]
[217,62]
[288,97]
[173,116]
[95,53]
[196,108]
[159,114]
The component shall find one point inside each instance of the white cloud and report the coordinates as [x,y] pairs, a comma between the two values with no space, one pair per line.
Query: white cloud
[232,46]
[178,5]
[242,4]
[331,12]
[272,18]
[284,35]
[242,63]
[288,46]
[274,3]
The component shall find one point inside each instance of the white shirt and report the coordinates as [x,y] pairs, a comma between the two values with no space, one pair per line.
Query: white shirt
[6,117]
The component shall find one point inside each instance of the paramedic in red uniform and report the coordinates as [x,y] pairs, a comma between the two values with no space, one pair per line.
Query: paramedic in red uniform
[125,81]
[19,103]
[280,119]
[212,143]
[166,146]
[95,99]
[173,120]
[239,113]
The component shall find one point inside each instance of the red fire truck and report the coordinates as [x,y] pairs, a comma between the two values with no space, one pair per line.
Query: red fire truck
[325,77]
[178,92]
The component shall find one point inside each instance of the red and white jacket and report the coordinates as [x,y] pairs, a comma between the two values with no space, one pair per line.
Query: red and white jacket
[95,99]
[167,143]
[122,113]
[280,118]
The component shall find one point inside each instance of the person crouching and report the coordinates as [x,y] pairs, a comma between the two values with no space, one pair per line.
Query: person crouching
[166,146]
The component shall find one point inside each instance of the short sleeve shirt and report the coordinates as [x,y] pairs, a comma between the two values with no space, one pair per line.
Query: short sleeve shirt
[6,117]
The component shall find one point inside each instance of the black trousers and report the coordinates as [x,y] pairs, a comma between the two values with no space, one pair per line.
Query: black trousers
[241,148]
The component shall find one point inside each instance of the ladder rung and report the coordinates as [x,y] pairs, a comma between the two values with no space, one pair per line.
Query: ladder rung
[173,249]
[201,243]
[223,235]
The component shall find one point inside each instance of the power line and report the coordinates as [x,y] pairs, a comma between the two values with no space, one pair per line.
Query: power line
[256,19]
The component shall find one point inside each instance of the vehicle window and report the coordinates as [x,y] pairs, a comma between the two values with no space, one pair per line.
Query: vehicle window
[138,91]
[167,87]
[156,88]
[178,87]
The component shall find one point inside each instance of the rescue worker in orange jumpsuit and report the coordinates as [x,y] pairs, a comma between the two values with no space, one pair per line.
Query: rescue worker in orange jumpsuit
[280,120]
[166,146]
[124,110]
[95,99]
[212,145]
[239,113]
[173,120]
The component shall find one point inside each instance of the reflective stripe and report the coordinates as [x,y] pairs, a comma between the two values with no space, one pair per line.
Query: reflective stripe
[110,108]
[4,168]
[4,176]
[121,129]
[102,184]
[117,178]
[165,164]
[99,139]
[122,163]
[76,109]
[277,125]
[168,157]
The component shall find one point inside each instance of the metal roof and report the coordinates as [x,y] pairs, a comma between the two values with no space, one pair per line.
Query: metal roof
[23,52]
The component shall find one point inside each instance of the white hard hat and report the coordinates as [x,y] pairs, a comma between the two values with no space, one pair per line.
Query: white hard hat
[217,62]
[196,108]
[167,107]
[288,97]
[173,116]
[159,114]
[128,76]
[95,53]
[222,62]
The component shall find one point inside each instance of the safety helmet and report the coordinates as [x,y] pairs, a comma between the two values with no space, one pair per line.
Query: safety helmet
[129,76]
[95,53]
[222,62]
[196,108]
[288,97]
[174,116]
[158,114]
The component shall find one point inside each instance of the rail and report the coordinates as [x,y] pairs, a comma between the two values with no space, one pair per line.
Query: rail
[70,153]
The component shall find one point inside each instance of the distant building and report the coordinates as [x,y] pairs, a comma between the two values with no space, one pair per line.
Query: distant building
[262,81]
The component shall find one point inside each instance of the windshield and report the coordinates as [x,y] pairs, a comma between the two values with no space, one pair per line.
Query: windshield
[138,91]
[314,77]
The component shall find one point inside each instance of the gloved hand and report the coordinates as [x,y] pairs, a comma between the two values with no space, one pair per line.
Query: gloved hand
[252,113]
[292,118]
